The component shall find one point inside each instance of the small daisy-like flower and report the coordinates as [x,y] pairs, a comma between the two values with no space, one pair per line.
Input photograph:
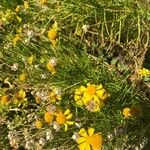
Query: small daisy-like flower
[30,60]
[26,5]
[144,72]
[38,124]
[89,141]
[20,95]
[16,39]
[52,34]
[131,112]
[55,95]
[56,126]
[49,135]
[64,118]
[51,65]
[85,28]
[75,136]
[127,112]
[42,141]
[17,8]
[14,67]
[93,90]
[48,117]
[22,77]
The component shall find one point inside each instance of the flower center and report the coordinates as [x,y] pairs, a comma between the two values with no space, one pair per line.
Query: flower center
[91,90]
[48,117]
[61,118]
[95,141]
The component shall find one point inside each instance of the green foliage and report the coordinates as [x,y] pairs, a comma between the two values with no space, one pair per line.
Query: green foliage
[98,42]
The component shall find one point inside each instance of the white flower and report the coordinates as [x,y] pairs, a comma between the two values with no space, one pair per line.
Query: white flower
[29,33]
[14,67]
[49,135]
[75,136]
[56,126]
[42,141]
[53,61]
[85,28]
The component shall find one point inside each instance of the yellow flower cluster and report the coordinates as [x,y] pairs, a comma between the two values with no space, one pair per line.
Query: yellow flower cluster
[60,118]
[133,111]
[92,97]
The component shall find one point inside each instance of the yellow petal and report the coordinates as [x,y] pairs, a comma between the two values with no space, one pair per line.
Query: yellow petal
[55,26]
[83,146]
[88,147]
[69,116]
[81,140]
[26,5]
[91,131]
[70,122]
[66,127]
[67,112]
[99,87]
[82,89]
[83,133]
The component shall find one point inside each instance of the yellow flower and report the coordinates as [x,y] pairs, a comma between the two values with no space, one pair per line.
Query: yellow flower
[144,72]
[52,34]
[20,95]
[48,117]
[127,112]
[92,96]
[16,39]
[96,90]
[30,60]
[88,141]
[55,94]
[79,95]
[4,99]
[131,112]
[26,5]
[38,124]
[64,118]
[22,77]
[51,65]
[17,9]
